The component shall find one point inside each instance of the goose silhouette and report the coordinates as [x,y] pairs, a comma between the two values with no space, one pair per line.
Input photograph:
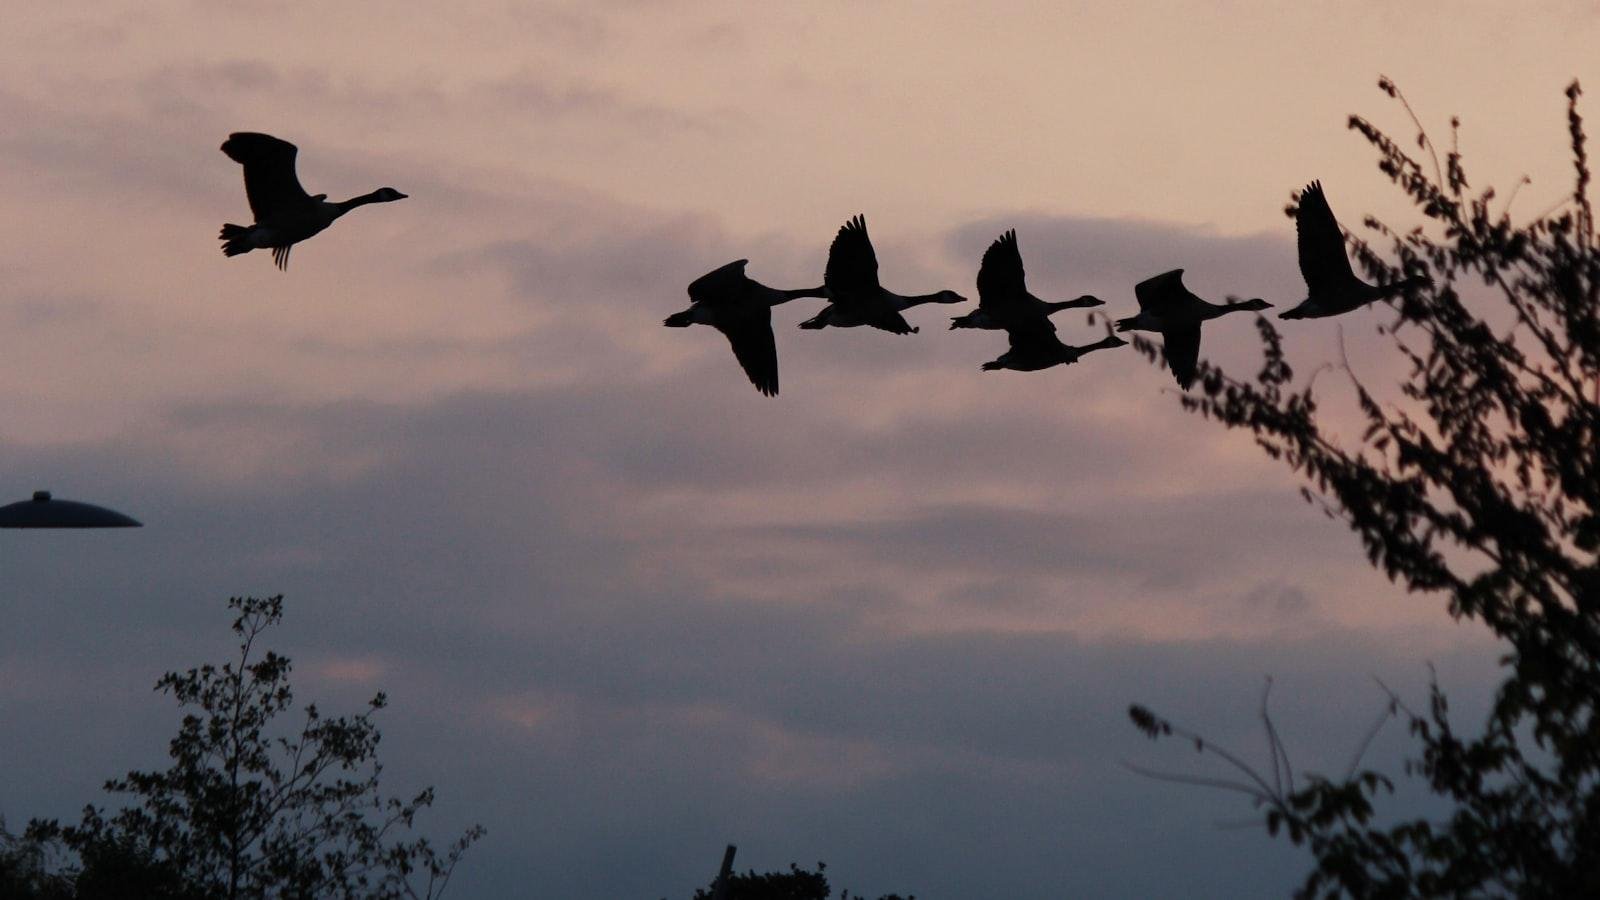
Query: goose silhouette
[1167,307]
[741,308]
[285,214]
[1332,287]
[856,296]
[1034,348]
[1003,297]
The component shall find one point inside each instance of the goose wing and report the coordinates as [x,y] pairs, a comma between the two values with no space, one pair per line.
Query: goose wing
[720,285]
[1001,281]
[1323,261]
[1035,337]
[1180,344]
[1162,293]
[852,266]
[269,179]
[749,332]
[894,323]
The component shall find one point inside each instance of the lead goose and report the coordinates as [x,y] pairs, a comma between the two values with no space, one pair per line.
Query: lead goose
[1003,297]
[1332,287]
[741,308]
[285,214]
[1034,348]
[856,296]
[1167,307]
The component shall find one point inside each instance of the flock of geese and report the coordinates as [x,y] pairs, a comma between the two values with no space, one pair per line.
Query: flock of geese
[741,308]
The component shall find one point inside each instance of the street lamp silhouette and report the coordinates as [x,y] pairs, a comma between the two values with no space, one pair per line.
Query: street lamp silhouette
[44,511]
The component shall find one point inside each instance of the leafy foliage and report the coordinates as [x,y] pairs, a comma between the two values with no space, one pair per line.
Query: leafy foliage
[243,813]
[795,884]
[1480,483]
[25,871]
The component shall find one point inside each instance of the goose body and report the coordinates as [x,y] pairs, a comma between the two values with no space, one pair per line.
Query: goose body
[856,297]
[1170,309]
[1034,348]
[1332,287]
[741,308]
[284,213]
[1003,297]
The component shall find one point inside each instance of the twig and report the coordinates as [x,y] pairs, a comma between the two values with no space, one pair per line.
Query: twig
[1372,733]
[1261,795]
[1422,133]
[1275,744]
[1505,213]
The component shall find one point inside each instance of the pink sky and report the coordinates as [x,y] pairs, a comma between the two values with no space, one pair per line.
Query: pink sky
[906,599]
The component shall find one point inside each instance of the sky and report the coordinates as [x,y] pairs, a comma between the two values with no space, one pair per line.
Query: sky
[626,609]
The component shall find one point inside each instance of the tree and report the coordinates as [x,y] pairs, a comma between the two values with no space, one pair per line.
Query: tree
[1480,484]
[245,814]
[795,884]
[25,870]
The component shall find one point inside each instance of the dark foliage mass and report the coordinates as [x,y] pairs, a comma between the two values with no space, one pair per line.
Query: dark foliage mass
[242,812]
[795,884]
[1479,482]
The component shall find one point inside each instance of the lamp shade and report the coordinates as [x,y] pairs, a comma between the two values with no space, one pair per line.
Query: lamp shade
[44,511]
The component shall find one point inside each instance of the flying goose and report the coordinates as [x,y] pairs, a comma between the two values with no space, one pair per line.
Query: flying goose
[285,214]
[1003,297]
[1332,288]
[741,308]
[856,297]
[1166,306]
[1034,348]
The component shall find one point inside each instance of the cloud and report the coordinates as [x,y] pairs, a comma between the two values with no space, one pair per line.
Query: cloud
[552,100]
[531,578]
[1071,249]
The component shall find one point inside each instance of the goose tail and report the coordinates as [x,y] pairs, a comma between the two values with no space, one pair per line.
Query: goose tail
[235,239]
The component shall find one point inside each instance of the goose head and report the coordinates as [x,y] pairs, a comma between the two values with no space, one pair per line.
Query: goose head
[948,297]
[386,195]
[1255,305]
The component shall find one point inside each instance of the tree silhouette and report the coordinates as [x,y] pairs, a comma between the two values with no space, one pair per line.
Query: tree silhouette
[243,813]
[25,870]
[795,884]
[1479,483]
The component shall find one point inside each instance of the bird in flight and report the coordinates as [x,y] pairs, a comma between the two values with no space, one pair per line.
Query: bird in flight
[1034,348]
[741,308]
[1003,297]
[1168,308]
[1332,287]
[856,297]
[285,214]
